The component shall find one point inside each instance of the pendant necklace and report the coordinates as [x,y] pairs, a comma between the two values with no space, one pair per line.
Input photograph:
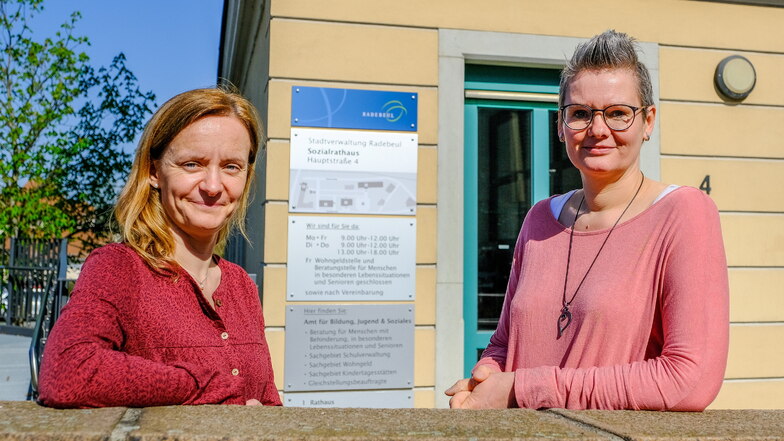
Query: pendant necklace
[204,280]
[565,319]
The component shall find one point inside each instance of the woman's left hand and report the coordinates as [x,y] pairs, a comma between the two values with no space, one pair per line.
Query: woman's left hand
[253,402]
[494,392]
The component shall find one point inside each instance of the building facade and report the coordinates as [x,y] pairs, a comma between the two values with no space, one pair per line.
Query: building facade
[486,76]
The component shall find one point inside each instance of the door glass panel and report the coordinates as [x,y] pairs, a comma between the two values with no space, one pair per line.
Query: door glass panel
[563,175]
[504,197]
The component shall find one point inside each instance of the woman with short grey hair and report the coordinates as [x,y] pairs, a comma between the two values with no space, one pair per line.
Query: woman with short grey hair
[618,294]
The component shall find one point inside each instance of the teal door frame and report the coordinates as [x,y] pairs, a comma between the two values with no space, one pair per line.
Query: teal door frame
[474,338]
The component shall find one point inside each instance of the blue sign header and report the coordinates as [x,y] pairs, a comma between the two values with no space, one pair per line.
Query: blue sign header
[353,109]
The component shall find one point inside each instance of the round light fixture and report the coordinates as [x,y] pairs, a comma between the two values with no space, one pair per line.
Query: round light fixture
[735,77]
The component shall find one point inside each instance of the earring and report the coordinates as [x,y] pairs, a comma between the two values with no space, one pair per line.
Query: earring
[155,186]
[647,138]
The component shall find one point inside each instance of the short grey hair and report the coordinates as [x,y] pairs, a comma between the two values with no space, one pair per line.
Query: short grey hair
[608,50]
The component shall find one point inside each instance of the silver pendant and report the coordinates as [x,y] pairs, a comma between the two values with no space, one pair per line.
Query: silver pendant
[564,320]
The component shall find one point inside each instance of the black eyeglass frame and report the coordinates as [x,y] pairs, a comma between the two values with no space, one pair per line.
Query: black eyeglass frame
[604,117]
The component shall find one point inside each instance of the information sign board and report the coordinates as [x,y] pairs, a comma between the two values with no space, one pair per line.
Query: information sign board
[375,399]
[351,258]
[353,109]
[347,347]
[342,171]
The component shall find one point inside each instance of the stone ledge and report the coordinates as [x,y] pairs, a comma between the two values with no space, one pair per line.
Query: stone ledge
[245,423]
[707,425]
[26,421]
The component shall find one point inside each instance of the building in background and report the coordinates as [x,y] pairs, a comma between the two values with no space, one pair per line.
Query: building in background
[486,77]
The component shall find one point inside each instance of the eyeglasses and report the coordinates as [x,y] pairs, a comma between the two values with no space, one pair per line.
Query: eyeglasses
[618,117]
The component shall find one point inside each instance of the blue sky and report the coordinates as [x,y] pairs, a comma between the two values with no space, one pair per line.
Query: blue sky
[171,45]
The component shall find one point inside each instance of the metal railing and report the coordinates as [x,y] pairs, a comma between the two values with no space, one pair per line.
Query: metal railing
[33,289]
[32,269]
[51,304]
[23,291]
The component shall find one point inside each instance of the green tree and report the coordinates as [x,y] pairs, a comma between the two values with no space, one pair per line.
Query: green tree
[62,126]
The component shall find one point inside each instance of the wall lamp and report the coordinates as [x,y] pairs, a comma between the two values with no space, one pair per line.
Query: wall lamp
[735,77]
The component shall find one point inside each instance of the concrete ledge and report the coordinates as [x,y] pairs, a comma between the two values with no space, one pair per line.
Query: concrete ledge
[26,421]
[708,425]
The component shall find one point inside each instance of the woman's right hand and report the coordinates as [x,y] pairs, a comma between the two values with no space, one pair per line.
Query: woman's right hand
[462,388]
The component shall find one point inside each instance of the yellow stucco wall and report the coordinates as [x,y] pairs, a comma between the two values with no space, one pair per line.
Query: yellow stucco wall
[386,45]
[671,22]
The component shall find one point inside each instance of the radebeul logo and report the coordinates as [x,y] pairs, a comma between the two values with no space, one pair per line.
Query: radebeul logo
[392,111]
[395,110]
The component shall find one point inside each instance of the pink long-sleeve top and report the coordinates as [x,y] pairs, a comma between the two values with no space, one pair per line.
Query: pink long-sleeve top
[133,337]
[650,324]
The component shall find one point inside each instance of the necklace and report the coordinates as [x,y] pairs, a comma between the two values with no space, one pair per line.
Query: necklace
[565,319]
[204,280]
